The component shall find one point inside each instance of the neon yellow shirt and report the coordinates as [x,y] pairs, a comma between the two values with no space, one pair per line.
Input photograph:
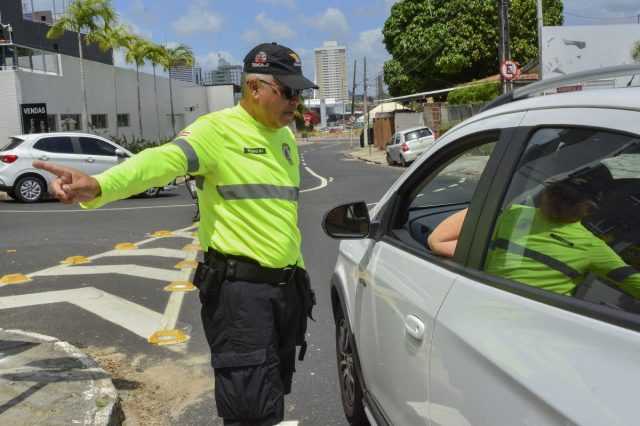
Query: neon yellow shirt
[566,245]
[249,185]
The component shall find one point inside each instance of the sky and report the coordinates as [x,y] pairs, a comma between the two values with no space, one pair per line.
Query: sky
[230,28]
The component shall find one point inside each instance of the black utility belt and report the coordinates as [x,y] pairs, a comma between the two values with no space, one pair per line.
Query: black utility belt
[234,268]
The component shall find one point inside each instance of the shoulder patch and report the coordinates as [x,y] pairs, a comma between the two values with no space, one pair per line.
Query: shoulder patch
[255,150]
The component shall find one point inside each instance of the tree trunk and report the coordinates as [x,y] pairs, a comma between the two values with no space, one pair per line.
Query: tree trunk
[115,94]
[139,102]
[173,117]
[84,120]
[155,89]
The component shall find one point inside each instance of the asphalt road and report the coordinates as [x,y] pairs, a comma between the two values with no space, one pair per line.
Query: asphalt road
[108,306]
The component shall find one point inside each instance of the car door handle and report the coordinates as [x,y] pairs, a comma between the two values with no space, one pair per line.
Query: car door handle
[414,327]
[89,160]
[43,158]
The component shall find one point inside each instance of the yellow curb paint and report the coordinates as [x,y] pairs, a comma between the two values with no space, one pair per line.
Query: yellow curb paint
[180,286]
[14,279]
[168,337]
[162,233]
[126,246]
[187,264]
[192,247]
[75,260]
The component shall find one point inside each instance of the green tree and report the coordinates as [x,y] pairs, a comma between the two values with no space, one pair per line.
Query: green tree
[112,38]
[437,44]
[84,16]
[180,55]
[156,54]
[137,50]
[635,52]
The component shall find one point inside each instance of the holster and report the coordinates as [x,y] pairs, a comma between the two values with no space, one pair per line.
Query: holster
[307,299]
[208,279]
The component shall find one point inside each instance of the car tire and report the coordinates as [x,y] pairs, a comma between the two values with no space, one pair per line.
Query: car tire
[389,160]
[151,192]
[30,189]
[350,387]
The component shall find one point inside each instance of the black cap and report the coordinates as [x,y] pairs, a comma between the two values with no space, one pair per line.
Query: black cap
[279,61]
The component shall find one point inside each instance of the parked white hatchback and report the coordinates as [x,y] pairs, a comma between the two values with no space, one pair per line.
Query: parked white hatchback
[88,153]
[504,332]
[406,145]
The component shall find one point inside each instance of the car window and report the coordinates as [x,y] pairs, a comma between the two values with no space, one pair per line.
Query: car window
[443,192]
[91,146]
[56,144]
[13,143]
[410,136]
[397,139]
[424,133]
[569,223]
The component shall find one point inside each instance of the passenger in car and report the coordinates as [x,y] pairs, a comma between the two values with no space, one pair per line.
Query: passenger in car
[444,238]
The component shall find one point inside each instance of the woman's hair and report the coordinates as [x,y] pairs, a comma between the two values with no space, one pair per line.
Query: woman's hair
[564,203]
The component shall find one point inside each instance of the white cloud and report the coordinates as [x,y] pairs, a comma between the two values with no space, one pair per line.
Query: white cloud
[199,18]
[135,29]
[268,30]
[210,60]
[368,44]
[291,4]
[332,21]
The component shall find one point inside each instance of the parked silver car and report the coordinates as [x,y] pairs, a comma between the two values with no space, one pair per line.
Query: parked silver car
[88,153]
[406,145]
[501,333]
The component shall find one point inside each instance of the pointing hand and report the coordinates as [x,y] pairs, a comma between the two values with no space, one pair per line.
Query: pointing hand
[70,185]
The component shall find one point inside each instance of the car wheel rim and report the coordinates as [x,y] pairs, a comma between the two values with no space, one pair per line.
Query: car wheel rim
[30,190]
[346,365]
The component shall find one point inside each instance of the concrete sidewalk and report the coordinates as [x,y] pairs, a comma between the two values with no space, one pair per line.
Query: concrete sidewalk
[47,381]
[373,155]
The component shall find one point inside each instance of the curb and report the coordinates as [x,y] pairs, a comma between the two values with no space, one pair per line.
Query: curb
[4,196]
[106,409]
[367,160]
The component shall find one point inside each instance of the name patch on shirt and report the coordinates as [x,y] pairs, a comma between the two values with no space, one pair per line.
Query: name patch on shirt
[255,150]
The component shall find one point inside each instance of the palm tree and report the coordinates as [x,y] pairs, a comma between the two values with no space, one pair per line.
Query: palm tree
[181,55]
[112,38]
[137,50]
[157,55]
[635,52]
[86,16]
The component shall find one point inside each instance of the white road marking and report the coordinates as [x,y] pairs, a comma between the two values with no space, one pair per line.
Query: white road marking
[128,315]
[323,181]
[99,210]
[439,189]
[289,423]
[453,186]
[139,271]
[161,252]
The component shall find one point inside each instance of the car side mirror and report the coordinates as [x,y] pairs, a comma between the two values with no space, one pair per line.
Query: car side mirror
[121,154]
[348,221]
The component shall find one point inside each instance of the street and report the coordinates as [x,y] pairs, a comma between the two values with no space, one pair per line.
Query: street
[110,300]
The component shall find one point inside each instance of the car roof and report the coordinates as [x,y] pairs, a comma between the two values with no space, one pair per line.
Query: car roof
[27,136]
[411,129]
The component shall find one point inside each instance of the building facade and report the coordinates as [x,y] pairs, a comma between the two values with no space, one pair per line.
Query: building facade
[331,71]
[44,75]
[224,74]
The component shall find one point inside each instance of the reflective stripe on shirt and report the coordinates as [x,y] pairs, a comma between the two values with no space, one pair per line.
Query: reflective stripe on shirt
[537,256]
[255,191]
[193,163]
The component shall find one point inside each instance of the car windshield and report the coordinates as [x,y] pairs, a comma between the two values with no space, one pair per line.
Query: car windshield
[412,135]
[13,143]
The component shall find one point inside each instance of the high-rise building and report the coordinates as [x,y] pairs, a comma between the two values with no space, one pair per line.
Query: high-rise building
[331,71]
[189,74]
[224,74]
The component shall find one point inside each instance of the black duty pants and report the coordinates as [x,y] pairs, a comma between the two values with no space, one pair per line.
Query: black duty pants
[251,330]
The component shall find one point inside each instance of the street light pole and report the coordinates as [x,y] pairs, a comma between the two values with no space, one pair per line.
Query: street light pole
[366,110]
[505,50]
[540,26]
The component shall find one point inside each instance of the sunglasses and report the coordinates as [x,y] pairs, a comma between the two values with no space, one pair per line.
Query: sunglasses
[286,92]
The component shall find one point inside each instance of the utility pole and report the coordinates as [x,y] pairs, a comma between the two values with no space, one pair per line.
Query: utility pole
[353,103]
[540,26]
[505,49]
[366,110]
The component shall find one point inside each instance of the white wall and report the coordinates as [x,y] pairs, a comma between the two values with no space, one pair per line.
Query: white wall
[219,97]
[62,95]
[9,113]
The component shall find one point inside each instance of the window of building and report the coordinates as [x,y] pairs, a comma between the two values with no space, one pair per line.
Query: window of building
[52,122]
[123,120]
[99,121]
[7,58]
[70,122]
[57,144]
[28,59]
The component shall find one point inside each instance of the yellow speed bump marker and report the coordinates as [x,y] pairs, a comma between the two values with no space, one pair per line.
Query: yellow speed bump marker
[75,260]
[192,247]
[187,264]
[168,337]
[180,286]
[126,246]
[162,233]
[14,279]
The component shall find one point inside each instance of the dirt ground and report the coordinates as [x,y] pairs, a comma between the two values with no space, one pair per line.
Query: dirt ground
[155,392]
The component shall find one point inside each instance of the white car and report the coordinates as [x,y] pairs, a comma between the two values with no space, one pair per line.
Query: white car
[406,145]
[88,153]
[427,340]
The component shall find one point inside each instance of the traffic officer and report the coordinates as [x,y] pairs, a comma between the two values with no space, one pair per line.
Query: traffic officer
[254,290]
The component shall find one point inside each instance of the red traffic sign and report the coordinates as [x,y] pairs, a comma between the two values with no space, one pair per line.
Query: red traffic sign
[509,70]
